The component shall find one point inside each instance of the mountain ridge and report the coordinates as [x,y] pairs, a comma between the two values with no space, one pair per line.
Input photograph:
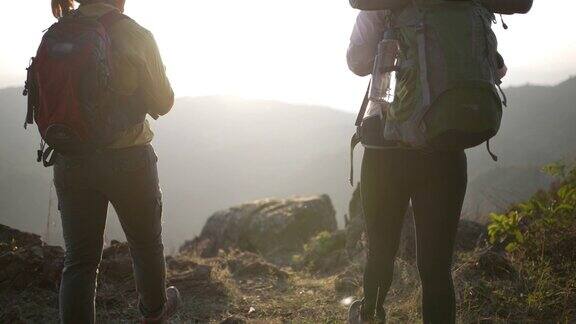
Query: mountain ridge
[218,151]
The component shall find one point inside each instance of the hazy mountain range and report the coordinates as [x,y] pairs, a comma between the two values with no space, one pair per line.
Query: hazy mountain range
[219,151]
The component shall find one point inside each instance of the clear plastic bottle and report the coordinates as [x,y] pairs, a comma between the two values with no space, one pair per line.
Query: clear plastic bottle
[384,64]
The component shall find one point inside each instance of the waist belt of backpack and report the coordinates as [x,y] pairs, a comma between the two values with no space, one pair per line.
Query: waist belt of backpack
[356,137]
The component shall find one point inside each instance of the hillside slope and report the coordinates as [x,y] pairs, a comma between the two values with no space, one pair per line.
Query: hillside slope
[220,151]
[213,152]
[523,274]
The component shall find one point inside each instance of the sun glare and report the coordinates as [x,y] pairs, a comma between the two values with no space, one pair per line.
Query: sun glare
[289,51]
[262,49]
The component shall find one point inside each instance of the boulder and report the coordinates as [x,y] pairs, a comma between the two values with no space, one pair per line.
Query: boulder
[116,266]
[273,228]
[354,222]
[470,234]
[349,281]
[243,265]
[324,254]
[18,238]
[195,279]
[488,265]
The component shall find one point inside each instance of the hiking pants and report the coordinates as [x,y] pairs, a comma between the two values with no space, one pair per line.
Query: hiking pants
[128,179]
[435,183]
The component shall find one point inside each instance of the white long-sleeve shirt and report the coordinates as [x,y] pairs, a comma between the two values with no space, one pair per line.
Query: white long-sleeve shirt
[367,33]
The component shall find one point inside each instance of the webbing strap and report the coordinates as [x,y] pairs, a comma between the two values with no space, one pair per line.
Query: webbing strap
[30,91]
[492,155]
[421,40]
[356,137]
[363,107]
[504,98]
[29,107]
[353,142]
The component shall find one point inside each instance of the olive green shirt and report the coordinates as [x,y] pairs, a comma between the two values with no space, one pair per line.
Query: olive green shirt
[137,63]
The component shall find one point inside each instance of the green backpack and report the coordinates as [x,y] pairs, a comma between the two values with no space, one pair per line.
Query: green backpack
[446,82]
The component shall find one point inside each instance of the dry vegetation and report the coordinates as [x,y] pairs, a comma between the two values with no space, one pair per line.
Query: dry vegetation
[524,271]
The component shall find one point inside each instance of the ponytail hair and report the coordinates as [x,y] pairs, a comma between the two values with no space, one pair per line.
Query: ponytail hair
[61,8]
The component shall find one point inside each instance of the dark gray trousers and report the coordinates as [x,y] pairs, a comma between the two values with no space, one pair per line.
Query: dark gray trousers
[128,179]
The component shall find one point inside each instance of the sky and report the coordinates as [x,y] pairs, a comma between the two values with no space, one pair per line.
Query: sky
[292,50]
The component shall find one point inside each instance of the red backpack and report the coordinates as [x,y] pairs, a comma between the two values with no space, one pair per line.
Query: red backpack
[68,86]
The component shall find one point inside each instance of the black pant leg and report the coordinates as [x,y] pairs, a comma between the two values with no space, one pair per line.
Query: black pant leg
[438,194]
[385,198]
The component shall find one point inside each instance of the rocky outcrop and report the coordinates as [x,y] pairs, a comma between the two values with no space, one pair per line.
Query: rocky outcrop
[243,265]
[324,254]
[30,273]
[349,281]
[470,234]
[489,265]
[25,261]
[273,228]
[355,244]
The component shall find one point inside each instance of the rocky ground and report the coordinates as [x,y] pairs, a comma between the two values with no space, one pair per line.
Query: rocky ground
[269,261]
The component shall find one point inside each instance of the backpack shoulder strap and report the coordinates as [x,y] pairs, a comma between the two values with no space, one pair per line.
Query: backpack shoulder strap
[363,107]
[110,18]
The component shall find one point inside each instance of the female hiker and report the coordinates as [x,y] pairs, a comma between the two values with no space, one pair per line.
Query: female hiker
[433,181]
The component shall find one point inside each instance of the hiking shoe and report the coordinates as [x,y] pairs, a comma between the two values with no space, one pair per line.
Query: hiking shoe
[173,301]
[355,313]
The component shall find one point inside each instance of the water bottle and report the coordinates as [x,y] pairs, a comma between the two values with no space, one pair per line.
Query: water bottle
[384,64]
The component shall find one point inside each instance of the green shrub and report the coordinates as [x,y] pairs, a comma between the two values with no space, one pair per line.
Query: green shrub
[545,212]
[540,238]
[323,253]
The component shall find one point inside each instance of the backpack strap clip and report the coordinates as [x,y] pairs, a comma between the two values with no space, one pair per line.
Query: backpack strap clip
[48,157]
